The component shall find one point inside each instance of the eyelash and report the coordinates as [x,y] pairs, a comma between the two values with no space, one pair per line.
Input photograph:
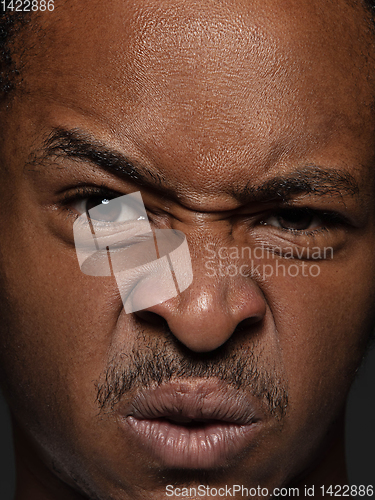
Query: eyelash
[82,192]
[328,218]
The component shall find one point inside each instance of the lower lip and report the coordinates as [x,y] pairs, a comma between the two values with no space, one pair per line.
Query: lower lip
[205,446]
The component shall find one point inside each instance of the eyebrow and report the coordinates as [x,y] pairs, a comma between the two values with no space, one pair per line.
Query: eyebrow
[310,179]
[78,145]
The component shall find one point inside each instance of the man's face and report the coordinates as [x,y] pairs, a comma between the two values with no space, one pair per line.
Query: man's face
[247,126]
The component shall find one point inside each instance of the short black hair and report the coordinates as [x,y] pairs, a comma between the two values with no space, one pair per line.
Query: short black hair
[10,25]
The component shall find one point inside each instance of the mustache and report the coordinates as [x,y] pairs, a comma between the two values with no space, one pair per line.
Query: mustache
[156,361]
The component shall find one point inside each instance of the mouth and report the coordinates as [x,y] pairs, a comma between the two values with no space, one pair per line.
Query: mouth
[196,425]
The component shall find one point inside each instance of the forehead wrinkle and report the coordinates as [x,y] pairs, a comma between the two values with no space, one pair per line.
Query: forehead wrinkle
[147,24]
[150,36]
[195,104]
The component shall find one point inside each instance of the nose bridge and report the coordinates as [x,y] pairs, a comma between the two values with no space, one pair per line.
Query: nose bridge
[206,314]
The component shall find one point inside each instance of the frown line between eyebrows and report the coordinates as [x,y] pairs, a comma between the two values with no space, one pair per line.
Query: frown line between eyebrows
[310,179]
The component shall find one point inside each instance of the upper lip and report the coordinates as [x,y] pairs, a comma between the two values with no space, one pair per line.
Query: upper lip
[187,401]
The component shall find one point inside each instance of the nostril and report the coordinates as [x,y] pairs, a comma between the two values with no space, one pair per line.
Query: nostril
[152,318]
[206,318]
[248,322]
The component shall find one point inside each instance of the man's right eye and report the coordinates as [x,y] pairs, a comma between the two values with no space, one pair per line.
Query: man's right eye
[103,209]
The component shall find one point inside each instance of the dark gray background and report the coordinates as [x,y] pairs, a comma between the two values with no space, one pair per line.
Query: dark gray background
[360,434]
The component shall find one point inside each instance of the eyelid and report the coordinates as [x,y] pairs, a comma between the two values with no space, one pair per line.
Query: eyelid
[329,220]
[83,192]
[328,215]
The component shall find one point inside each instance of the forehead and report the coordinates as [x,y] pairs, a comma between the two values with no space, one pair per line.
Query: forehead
[216,40]
[206,83]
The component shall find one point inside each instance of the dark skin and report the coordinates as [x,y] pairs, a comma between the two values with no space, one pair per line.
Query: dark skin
[209,101]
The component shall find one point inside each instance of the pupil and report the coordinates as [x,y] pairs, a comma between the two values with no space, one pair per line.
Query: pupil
[295,219]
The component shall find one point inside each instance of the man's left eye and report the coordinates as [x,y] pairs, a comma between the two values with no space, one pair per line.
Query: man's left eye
[108,210]
[296,219]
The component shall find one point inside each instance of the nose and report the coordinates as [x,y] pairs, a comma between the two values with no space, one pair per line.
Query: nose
[206,315]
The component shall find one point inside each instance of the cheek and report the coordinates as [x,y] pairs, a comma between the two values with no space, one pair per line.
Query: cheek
[56,329]
[323,325]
